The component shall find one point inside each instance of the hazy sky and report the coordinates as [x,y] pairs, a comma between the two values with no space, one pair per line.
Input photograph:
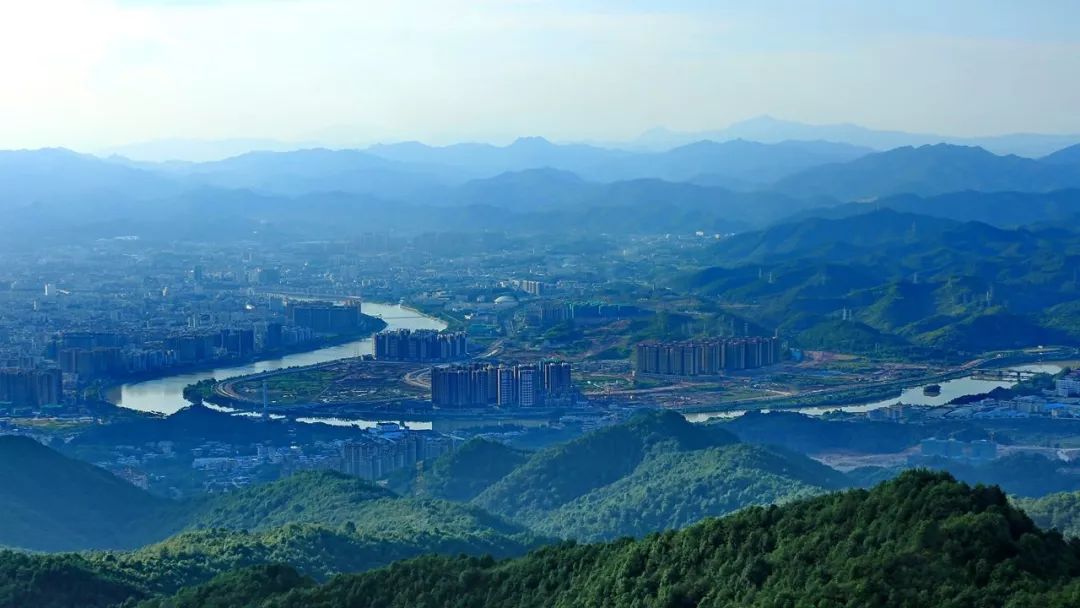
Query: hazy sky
[93,73]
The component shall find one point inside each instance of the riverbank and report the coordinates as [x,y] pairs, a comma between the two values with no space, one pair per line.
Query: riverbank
[165,394]
[191,368]
[885,393]
[956,386]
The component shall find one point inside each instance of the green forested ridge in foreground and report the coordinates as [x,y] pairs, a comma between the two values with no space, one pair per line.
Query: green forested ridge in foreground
[462,474]
[319,523]
[671,490]
[922,539]
[655,472]
[50,502]
[54,503]
[561,473]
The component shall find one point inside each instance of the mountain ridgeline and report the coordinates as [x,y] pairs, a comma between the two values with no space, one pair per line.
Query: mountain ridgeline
[911,285]
[922,539]
[54,503]
[652,473]
[57,503]
[531,185]
[655,472]
[325,539]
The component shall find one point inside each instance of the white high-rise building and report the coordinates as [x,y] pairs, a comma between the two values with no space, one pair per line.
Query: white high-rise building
[526,385]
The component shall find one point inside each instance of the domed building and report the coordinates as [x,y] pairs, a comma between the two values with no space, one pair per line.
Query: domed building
[505,302]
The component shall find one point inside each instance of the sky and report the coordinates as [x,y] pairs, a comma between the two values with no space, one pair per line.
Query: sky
[90,74]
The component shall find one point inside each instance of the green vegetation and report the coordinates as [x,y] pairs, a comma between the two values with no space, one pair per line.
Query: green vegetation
[308,497]
[63,581]
[655,472]
[671,490]
[1021,475]
[920,540]
[812,435]
[244,587]
[302,385]
[203,390]
[389,531]
[319,522]
[1059,511]
[898,285]
[564,472]
[54,503]
[462,474]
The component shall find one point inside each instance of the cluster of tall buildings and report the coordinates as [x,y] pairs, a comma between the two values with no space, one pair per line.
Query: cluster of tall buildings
[1068,385]
[546,314]
[201,346]
[92,355]
[88,354]
[390,448]
[421,345]
[31,387]
[705,357]
[533,288]
[487,385]
[327,317]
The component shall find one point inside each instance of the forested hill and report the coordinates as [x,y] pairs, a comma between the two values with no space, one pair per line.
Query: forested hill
[922,539]
[564,472]
[50,502]
[899,285]
[462,474]
[320,523]
[1060,511]
[655,472]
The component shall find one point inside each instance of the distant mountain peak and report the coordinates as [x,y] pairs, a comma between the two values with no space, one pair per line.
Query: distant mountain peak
[769,129]
[534,141]
[1065,156]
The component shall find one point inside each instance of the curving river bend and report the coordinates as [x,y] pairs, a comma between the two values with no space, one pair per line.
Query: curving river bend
[166,395]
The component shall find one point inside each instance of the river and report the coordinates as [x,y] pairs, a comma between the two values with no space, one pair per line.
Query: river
[166,395]
[950,389]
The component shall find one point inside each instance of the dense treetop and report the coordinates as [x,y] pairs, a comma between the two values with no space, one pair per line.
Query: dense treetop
[922,539]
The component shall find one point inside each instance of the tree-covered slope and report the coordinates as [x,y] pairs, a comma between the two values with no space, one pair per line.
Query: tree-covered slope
[60,581]
[50,502]
[325,497]
[898,285]
[1059,511]
[653,473]
[462,474]
[390,530]
[674,489]
[340,525]
[559,474]
[321,523]
[243,587]
[929,170]
[922,539]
